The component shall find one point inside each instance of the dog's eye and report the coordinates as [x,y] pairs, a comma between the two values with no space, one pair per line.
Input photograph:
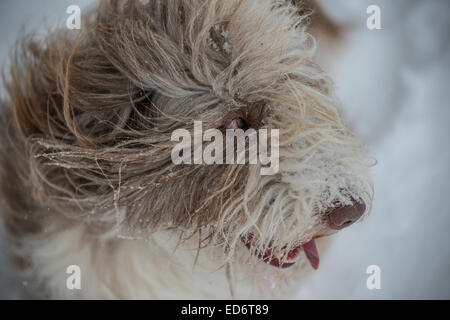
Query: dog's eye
[238,123]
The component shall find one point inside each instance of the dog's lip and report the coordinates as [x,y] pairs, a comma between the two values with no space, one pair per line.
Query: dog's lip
[308,247]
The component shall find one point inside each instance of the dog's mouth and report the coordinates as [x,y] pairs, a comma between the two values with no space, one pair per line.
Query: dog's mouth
[290,258]
[337,217]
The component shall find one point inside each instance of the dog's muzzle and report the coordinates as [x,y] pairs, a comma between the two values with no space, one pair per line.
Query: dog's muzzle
[337,218]
[344,216]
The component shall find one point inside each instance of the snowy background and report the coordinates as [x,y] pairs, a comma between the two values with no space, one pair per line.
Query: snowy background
[395,86]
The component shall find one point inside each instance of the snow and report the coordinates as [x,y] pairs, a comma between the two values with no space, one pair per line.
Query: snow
[394,84]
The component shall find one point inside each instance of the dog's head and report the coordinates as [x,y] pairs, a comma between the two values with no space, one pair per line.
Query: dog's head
[95,111]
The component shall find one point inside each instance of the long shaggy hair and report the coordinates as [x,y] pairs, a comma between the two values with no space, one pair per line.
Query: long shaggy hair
[90,115]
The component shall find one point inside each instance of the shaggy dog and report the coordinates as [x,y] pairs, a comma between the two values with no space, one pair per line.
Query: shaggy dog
[86,169]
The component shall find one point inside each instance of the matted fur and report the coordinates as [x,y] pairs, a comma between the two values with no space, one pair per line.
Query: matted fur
[90,116]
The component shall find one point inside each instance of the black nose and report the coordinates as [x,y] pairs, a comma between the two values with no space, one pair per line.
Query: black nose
[344,216]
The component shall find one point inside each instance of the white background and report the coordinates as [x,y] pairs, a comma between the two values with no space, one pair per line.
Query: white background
[395,86]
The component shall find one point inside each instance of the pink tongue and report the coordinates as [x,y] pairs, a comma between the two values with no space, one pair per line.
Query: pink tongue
[311,253]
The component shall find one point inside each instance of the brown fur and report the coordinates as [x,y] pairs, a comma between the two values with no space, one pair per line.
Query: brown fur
[90,114]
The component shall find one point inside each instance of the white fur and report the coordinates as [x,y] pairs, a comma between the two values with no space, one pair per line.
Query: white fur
[321,162]
[159,268]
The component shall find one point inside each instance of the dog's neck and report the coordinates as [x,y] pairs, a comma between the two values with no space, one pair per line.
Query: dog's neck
[157,268]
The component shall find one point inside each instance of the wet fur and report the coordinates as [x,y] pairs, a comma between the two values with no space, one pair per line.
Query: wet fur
[86,171]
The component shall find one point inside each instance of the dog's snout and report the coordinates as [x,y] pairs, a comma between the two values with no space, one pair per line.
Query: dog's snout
[343,216]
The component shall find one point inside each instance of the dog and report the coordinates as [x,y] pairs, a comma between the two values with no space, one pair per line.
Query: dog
[86,171]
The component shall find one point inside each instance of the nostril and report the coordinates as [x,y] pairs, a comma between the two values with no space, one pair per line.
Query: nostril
[344,216]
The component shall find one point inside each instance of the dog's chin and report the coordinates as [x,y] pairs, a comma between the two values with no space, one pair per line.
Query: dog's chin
[291,258]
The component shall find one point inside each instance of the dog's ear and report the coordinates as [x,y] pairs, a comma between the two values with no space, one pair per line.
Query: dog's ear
[12,191]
